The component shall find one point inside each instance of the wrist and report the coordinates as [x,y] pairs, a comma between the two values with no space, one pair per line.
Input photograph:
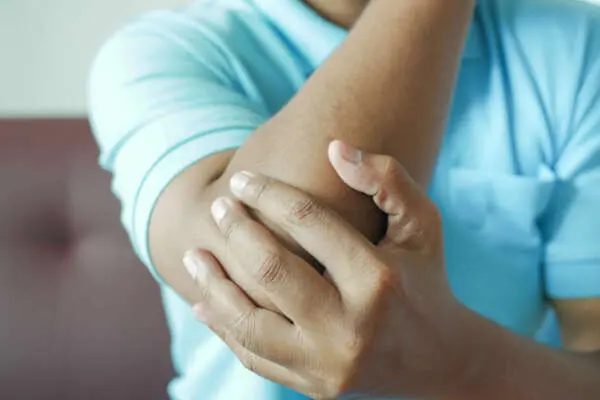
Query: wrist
[485,358]
[474,342]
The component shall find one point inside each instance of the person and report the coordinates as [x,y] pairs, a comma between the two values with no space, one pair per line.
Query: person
[182,100]
[385,324]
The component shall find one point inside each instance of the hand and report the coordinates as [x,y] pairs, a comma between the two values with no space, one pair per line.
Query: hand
[385,324]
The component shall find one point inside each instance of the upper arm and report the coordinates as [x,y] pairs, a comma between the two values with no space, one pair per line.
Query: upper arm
[572,224]
[160,101]
[166,110]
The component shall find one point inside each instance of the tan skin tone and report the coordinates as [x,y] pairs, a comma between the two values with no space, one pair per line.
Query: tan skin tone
[340,12]
[193,192]
[409,88]
[386,324]
[579,319]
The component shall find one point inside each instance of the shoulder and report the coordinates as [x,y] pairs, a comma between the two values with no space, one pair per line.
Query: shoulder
[210,51]
[173,65]
[216,35]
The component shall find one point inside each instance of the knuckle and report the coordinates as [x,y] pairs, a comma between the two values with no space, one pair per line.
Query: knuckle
[305,211]
[420,229]
[331,391]
[429,231]
[380,284]
[231,229]
[394,200]
[414,229]
[240,326]
[353,345]
[392,170]
[249,361]
[384,282]
[336,387]
[359,255]
[271,268]
[243,331]
[259,188]
[204,294]
[393,193]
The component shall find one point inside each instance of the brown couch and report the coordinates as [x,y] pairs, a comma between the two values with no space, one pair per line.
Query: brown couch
[80,317]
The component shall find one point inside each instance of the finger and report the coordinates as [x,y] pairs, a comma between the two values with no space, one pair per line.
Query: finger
[265,368]
[412,215]
[346,254]
[229,312]
[261,366]
[349,163]
[296,288]
[379,176]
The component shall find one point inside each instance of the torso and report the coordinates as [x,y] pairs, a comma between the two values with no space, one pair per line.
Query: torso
[494,179]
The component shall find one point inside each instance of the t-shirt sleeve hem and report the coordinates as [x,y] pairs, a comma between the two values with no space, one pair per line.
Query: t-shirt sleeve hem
[161,175]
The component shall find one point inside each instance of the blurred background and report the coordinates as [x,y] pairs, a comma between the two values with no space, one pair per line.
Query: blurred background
[80,318]
[47,47]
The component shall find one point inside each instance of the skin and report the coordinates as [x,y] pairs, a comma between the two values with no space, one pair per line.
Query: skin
[395,84]
[182,219]
[368,331]
[340,12]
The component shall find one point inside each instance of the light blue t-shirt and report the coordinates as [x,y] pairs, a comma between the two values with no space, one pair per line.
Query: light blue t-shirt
[518,178]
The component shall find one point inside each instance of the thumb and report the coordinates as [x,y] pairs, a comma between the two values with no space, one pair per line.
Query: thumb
[359,170]
[379,176]
[410,212]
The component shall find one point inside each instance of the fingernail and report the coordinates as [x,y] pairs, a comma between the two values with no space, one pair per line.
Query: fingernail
[350,154]
[239,182]
[219,208]
[195,266]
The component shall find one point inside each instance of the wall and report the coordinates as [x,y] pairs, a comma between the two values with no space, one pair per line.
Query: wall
[47,47]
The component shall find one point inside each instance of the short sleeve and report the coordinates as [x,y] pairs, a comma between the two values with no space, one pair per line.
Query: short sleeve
[572,223]
[162,97]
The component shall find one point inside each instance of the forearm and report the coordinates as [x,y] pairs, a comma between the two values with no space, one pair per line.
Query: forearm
[509,366]
[387,89]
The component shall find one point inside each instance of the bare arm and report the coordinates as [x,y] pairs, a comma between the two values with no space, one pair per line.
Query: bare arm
[513,367]
[387,89]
